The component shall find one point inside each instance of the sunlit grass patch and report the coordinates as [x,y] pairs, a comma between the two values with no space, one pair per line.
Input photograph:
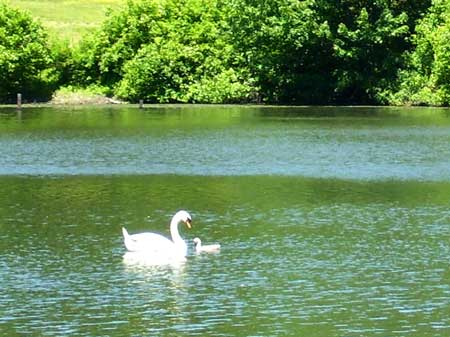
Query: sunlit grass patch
[69,19]
[79,96]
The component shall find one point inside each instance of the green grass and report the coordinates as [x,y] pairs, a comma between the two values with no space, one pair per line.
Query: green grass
[68,19]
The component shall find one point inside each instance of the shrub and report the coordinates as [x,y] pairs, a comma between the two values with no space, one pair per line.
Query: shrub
[166,51]
[25,57]
[176,72]
[426,81]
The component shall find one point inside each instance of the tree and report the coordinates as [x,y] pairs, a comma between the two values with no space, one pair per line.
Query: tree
[286,47]
[274,51]
[25,57]
[369,39]
[191,62]
[426,79]
[166,51]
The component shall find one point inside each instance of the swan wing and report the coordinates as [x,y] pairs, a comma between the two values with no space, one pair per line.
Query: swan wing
[207,248]
[211,248]
[148,242]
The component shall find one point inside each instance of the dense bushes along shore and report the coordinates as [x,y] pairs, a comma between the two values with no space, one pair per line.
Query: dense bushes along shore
[238,51]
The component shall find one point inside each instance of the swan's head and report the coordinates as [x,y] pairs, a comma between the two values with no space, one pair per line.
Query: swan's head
[185,217]
[197,241]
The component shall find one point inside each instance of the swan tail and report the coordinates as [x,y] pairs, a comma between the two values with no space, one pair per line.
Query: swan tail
[125,233]
[127,240]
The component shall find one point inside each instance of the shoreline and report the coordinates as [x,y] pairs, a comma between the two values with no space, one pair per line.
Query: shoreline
[115,103]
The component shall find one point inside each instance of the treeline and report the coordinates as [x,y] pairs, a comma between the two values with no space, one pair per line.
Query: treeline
[237,51]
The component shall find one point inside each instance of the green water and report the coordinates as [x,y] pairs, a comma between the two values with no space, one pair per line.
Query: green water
[332,221]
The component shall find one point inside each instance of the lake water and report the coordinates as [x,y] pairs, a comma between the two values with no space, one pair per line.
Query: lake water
[332,221]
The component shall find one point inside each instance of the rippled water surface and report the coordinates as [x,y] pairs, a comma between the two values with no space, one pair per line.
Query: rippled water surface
[333,222]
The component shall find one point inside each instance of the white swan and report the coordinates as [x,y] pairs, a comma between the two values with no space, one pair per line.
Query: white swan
[207,249]
[158,247]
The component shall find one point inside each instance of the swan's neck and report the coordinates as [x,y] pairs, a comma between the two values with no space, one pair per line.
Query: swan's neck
[176,238]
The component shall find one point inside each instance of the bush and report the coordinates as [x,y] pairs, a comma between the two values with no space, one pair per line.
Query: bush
[426,81]
[175,72]
[168,51]
[274,51]
[25,57]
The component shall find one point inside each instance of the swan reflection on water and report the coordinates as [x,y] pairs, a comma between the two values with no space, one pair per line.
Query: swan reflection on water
[157,285]
[142,269]
[138,260]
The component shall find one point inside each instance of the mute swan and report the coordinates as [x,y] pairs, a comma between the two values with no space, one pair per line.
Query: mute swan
[156,246]
[207,249]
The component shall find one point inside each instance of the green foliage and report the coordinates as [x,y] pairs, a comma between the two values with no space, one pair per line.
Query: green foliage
[426,81]
[175,72]
[275,51]
[284,44]
[368,43]
[25,57]
[227,51]
[168,51]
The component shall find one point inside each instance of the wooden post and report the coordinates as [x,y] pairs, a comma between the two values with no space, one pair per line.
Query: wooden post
[141,103]
[19,101]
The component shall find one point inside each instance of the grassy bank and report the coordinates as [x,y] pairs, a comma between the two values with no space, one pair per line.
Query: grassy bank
[68,19]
